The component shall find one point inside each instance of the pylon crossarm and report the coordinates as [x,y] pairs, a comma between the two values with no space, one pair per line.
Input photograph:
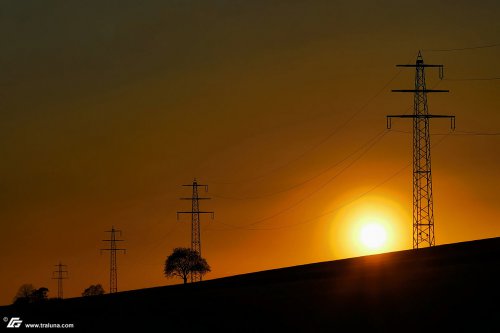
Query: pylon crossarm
[420,65]
[452,119]
[420,90]
[194,212]
[389,118]
[202,198]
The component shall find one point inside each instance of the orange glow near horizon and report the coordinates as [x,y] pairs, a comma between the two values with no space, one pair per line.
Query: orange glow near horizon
[374,224]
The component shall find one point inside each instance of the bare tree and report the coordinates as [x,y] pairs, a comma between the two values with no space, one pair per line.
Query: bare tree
[24,293]
[29,294]
[184,261]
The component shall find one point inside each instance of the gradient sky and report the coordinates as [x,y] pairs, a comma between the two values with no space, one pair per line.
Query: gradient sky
[108,107]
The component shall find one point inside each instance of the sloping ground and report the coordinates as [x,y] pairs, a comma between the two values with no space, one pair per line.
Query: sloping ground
[453,287]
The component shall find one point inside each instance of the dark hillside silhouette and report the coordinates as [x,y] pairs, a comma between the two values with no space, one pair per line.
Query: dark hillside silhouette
[449,287]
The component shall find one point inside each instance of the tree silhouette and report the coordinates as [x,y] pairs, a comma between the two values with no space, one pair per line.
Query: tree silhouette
[28,294]
[184,261]
[24,293]
[94,290]
[39,295]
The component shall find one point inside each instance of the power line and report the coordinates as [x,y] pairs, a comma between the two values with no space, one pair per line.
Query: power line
[476,133]
[315,218]
[370,144]
[378,137]
[321,142]
[455,133]
[301,183]
[462,48]
[161,239]
[312,219]
[475,79]
[386,180]
[295,204]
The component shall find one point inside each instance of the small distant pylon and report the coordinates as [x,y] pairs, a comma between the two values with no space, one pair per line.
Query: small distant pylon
[195,221]
[113,269]
[423,206]
[60,274]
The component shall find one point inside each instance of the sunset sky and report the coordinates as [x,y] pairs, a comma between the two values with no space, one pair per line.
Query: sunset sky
[108,107]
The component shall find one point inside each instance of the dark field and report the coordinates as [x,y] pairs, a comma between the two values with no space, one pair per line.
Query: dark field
[449,288]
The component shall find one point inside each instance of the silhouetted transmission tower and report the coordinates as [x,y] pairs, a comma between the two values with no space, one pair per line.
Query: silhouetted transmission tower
[195,220]
[60,275]
[423,214]
[113,270]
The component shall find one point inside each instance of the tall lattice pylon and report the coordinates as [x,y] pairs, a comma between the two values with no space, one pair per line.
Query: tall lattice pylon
[113,266]
[60,274]
[423,207]
[195,221]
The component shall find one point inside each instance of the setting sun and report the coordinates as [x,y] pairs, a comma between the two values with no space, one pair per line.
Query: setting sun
[372,225]
[373,235]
